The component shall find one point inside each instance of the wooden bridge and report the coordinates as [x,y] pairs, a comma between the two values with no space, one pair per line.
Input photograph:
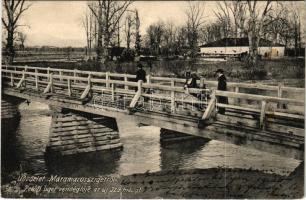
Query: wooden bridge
[265,117]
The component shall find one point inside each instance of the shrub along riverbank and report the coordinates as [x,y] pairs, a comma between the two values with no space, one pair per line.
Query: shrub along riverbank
[285,68]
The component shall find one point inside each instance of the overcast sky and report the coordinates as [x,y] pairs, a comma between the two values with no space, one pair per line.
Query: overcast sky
[58,23]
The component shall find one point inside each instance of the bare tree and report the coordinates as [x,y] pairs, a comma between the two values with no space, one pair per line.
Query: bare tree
[13,9]
[108,14]
[128,30]
[255,22]
[137,34]
[195,19]
[88,25]
[224,18]
[238,9]
[22,38]
[155,33]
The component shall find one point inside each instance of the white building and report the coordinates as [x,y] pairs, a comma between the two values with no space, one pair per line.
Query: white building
[234,46]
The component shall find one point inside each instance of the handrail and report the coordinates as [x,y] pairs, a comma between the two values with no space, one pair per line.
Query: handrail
[258,97]
[87,85]
[176,80]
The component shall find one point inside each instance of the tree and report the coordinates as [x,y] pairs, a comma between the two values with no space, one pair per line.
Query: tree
[128,30]
[22,38]
[108,14]
[13,9]
[169,37]
[224,18]
[256,19]
[137,34]
[155,33]
[88,24]
[195,20]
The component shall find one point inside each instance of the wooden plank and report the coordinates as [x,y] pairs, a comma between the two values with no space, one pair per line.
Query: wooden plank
[88,88]
[210,108]
[107,78]
[21,80]
[286,129]
[137,95]
[258,97]
[173,97]
[262,123]
[126,87]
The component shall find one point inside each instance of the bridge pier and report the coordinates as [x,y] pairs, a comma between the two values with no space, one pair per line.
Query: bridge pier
[74,133]
[9,109]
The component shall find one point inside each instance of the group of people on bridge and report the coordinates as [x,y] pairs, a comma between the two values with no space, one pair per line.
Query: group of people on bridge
[191,82]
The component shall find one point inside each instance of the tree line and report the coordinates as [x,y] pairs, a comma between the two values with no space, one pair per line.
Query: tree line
[110,23]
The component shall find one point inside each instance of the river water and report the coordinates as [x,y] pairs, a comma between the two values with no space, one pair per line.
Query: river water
[142,151]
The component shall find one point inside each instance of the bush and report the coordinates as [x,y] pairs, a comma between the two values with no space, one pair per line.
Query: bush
[127,55]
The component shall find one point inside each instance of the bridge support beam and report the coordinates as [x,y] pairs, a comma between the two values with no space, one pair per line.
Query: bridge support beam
[74,133]
[169,136]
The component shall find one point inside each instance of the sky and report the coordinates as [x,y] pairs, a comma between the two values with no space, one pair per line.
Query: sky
[58,23]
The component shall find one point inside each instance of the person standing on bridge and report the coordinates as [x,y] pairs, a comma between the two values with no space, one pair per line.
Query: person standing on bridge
[140,74]
[221,86]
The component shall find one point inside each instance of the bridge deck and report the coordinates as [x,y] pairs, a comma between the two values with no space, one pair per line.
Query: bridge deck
[275,120]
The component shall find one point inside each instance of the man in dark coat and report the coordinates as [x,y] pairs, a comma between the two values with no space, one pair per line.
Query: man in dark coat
[140,74]
[221,86]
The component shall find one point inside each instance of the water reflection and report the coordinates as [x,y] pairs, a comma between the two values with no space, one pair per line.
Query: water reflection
[174,155]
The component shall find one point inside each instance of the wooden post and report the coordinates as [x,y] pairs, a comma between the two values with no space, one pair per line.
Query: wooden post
[36,79]
[126,87]
[61,75]
[113,91]
[263,115]
[137,95]
[237,101]
[12,80]
[107,79]
[280,94]
[88,88]
[48,72]
[74,75]
[211,107]
[140,86]
[202,81]
[69,87]
[172,97]
[24,75]
[51,82]
[279,90]
[148,79]
[21,80]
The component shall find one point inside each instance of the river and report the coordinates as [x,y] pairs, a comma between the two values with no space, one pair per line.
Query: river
[142,151]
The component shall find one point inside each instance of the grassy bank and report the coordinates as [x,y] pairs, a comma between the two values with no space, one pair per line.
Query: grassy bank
[279,69]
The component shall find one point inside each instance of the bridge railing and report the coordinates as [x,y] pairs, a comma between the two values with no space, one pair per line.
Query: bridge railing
[268,90]
[261,108]
[71,85]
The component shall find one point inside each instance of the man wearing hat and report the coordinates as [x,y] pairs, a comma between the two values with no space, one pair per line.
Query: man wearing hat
[140,74]
[221,86]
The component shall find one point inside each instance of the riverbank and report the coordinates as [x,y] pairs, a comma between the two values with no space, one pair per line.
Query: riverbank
[284,68]
[193,183]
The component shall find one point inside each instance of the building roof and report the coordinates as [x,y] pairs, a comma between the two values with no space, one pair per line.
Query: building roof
[233,42]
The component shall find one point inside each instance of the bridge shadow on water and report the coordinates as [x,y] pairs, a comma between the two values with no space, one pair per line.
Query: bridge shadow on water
[10,154]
